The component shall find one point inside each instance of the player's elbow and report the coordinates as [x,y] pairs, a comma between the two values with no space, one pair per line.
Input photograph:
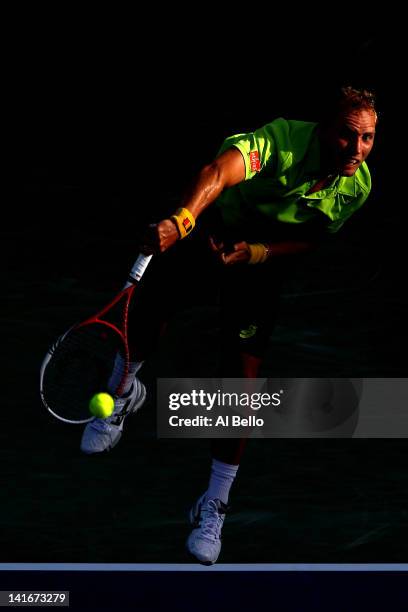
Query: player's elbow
[213,178]
[226,170]
[214,171]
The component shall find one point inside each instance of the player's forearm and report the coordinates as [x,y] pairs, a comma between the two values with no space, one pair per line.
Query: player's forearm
[204,189]
[259,252]
[225,171]
[276,249]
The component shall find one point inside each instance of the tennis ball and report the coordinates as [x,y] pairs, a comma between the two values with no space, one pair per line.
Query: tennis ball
[101,405]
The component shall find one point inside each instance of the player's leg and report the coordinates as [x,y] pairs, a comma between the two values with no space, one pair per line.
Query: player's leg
[246,326]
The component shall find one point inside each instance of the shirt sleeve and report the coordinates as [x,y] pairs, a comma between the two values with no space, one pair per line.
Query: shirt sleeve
[258,149]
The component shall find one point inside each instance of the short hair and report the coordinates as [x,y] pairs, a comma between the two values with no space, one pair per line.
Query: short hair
[348,98]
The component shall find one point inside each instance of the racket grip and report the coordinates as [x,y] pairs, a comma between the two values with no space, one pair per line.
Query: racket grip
[139,267]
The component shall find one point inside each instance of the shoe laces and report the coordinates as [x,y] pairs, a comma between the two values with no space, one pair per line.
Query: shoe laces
[101,425]
[104,425]
[116,418]
[212,519]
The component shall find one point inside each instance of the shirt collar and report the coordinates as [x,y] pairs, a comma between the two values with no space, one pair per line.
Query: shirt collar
[348,185]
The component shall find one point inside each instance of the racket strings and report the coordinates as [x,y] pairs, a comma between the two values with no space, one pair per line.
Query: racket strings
[79,366]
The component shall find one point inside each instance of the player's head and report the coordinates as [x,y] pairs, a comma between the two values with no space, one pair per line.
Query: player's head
[347,130]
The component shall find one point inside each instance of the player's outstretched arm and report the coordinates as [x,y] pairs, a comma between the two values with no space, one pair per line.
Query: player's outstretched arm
[225,171]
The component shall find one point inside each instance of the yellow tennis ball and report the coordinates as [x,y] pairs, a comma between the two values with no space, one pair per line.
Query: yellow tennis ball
[101,405]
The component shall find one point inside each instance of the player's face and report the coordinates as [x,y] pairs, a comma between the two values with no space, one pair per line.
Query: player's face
[349,140]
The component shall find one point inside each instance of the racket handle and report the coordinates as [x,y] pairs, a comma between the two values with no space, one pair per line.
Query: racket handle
[138,269]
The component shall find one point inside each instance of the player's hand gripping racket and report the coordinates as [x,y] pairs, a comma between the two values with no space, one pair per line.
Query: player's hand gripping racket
[80,363]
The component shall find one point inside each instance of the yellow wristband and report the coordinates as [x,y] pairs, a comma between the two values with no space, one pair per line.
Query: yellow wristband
[184,220]
[258,253]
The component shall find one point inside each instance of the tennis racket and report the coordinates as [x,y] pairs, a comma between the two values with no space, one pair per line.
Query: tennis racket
[80,363]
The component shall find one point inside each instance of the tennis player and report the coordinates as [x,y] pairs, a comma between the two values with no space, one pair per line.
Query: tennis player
[268,198]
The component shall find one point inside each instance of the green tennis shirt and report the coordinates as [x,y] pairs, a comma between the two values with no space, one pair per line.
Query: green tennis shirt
[282,161]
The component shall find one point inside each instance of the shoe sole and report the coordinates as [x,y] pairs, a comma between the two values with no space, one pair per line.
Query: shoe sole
[194,558]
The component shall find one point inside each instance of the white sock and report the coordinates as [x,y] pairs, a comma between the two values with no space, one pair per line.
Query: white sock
[221,479]
[117,373]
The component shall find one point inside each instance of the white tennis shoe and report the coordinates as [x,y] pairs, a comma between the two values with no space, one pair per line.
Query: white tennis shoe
[207,517]
[103,434]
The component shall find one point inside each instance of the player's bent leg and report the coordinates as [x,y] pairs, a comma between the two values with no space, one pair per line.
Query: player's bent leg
[102,435]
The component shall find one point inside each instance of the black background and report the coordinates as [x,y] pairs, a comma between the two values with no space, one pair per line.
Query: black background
[109,117]
[109,124]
